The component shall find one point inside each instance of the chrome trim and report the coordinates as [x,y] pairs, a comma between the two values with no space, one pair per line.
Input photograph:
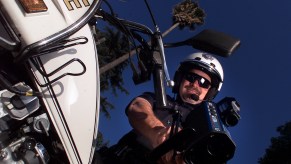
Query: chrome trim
[70,30]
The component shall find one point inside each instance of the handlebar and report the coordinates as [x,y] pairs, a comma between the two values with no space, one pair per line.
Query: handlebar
[160,70]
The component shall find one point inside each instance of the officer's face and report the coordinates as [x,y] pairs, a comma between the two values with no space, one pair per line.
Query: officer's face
[195,82]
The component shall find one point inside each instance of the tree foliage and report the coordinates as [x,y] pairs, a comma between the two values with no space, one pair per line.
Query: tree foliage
[111,46]
[188,14]
[280,148]
[100,141]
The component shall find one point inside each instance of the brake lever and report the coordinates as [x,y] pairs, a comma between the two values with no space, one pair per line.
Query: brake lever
[158,36]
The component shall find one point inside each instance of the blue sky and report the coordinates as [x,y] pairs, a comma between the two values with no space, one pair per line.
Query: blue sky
[257,74]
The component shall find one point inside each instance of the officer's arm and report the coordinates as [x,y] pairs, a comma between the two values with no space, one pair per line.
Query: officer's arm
[143,120]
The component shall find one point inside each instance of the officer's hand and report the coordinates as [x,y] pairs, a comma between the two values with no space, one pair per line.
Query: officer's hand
[168,158]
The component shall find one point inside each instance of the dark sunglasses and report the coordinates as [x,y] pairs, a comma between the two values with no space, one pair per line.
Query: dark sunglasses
[192,77]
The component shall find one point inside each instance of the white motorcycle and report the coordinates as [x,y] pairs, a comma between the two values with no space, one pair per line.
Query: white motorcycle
[52,113]
[49,79]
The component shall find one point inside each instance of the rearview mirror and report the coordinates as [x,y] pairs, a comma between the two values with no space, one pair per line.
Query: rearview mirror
[211,41]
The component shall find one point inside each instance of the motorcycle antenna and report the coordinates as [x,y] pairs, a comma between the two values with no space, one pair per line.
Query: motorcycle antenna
[158,35]
[161,69]
[151,13]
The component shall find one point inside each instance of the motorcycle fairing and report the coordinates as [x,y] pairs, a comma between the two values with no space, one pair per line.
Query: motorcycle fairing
[36,26]
[72,102]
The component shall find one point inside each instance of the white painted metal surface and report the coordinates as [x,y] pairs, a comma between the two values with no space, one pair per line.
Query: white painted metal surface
[36,26]
[75,111]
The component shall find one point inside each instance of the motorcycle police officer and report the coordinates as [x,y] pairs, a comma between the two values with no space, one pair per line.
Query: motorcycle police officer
[198,78]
